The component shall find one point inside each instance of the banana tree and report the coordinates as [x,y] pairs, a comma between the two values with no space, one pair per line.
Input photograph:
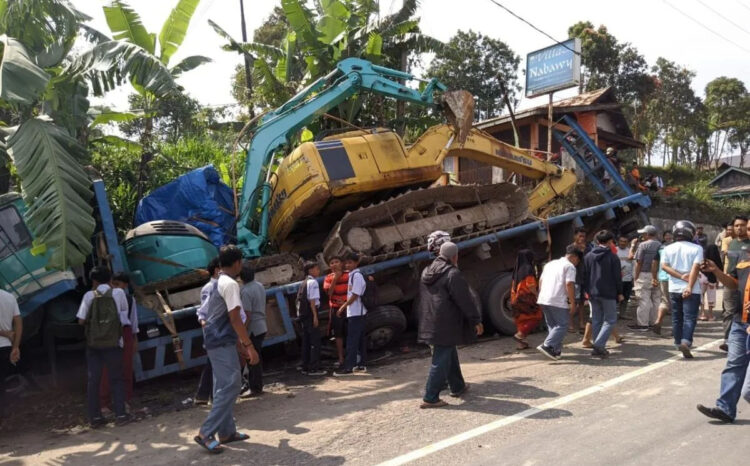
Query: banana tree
[126,25]
[44,93]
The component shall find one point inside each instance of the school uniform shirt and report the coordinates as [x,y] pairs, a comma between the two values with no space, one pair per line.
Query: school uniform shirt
[313,291]
[133,314]
[121,302]
[554,280]
[356,286]
[8,310]
[681,256]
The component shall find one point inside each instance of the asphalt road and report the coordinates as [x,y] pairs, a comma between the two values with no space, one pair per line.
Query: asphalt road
[638,407]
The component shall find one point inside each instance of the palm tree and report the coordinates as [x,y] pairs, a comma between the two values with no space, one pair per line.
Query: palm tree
[126,25]
[44,93]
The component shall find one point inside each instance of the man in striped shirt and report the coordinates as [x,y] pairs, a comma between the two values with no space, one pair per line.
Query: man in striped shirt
[336,285]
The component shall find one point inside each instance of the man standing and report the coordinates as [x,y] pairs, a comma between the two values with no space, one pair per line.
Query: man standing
[663,277]
[308,303]
[579,240]
[647,291]
[731,255]
[129,342]
[682,260]
[735,372]
[626,269]
[355,310]
[11,330]
[205,385]
[701,239]
[603,283]
[104,313]
[221,332]
[557,298]
[335,285]
[253,297]
[448,318]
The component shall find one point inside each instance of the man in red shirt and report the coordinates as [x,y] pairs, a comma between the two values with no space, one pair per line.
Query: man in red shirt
[335,285]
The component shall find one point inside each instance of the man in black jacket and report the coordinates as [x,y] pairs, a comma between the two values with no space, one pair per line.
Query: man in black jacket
[603,283]
[448,317]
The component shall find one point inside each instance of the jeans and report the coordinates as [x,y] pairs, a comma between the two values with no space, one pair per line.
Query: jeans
[603,319]
[255,373]
[648,297]
[557,319]
[684,317]
[97,359]
[310,345]
[735,372]
[206,383]
[444,367]
[226,369]
[356,343]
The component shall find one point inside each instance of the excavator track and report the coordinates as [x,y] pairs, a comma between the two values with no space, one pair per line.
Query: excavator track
[400,225]
[278,269]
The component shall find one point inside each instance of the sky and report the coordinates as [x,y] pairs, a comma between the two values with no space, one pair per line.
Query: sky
[654,27]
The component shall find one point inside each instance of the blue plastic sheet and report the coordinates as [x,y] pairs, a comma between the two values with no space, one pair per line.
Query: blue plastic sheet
[198,198]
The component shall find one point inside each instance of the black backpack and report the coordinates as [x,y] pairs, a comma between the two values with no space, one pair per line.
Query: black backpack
[370,297]
[303,304]
[103,328]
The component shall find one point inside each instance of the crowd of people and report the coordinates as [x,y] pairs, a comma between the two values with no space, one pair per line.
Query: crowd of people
[676,273]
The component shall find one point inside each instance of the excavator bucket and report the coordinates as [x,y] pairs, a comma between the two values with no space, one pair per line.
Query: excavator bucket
[459,109]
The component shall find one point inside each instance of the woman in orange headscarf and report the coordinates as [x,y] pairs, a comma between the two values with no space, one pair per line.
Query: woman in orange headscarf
[523,294]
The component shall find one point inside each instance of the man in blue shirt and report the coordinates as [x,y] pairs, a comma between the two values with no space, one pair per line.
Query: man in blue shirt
[682,260]
[356,339]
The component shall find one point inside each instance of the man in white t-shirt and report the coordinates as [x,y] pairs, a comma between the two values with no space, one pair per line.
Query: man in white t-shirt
[11,328]
[557,298]
[682,260]
[97,358]
[356,340]
[626,268]
[223,334]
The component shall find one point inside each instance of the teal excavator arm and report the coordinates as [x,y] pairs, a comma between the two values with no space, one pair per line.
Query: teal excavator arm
[351,75]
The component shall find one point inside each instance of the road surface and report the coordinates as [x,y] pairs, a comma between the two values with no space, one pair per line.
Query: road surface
[638,407]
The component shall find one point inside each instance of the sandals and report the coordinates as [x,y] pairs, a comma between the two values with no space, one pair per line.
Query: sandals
[210,444]
[235,437]
[522,343]
[438,404]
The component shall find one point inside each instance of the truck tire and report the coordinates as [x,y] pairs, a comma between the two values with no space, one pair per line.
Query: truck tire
[383,325]
[496,304]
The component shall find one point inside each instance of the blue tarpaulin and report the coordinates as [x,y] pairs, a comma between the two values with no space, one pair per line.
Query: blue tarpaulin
[198,198]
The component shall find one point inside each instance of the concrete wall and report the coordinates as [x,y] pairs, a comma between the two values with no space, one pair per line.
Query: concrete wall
[663,224]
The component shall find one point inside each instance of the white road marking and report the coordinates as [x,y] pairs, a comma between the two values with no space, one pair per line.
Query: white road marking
[557,402]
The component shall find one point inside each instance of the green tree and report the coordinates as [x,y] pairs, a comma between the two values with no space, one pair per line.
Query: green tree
[728,118]
[600,55]
[126,25]
[172,117]
[44,90]
[486,67]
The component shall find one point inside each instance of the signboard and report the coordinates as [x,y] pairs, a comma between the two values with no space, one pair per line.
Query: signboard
[553,68]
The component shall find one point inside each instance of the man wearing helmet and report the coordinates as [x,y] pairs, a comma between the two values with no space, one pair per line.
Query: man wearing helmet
[734,374]
[682,260]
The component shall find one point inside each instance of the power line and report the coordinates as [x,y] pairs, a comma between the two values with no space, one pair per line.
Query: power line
[534,27]
[743,5]
[705,27]
[724,17]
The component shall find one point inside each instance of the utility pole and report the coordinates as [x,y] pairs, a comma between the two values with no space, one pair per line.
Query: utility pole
[248,67]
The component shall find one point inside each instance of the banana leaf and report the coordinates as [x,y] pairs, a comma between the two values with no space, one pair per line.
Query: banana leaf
[56,189]
[175,28]
[21,81]
[126,25]
[188,63]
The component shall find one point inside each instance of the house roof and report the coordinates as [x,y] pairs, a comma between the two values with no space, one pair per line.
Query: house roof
[726,172]
[600,100]
[733,191]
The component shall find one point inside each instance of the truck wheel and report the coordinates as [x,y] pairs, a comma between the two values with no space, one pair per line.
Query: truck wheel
[496,304]
[383,325]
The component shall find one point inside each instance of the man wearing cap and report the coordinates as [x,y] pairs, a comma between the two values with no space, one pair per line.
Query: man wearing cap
[734,375]
[448,317]
[557,297]
[647,291]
